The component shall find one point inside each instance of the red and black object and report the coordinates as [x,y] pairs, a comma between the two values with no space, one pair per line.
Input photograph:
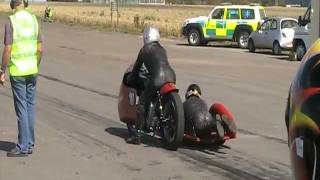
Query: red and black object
[127,104]
[164,117]
[225,130]
[128,99]
[221,112]
[168,88]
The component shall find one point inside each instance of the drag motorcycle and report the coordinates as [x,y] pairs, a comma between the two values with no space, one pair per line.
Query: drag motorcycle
[225,127]
[164,117]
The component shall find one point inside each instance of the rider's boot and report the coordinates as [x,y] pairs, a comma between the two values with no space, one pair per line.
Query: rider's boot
[135,137]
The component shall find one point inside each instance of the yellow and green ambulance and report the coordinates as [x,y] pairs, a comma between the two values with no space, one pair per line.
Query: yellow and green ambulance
[227,23]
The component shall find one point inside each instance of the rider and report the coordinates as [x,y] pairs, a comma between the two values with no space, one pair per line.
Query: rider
[152,70]
[198,120]
[48,14]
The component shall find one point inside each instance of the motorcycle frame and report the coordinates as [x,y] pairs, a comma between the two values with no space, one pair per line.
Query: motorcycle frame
[157,102]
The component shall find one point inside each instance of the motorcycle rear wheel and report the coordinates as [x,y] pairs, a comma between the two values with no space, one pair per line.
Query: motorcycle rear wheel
[173,129]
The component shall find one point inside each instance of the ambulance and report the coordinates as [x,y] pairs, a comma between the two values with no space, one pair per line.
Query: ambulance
[224,23]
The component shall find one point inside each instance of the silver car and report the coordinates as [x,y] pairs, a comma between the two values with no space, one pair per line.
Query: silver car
[274,33]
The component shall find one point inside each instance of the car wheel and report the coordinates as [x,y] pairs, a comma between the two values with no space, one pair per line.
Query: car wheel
[292,56]
[276,49]
[242,39]
[194,37]
[251,46]
[300,50]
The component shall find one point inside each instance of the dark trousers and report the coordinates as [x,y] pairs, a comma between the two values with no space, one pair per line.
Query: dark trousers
[145,98]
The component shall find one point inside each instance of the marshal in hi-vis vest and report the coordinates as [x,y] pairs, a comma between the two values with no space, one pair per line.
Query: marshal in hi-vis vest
[24,59]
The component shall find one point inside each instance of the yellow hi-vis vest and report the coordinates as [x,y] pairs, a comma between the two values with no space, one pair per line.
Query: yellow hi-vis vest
[23,60]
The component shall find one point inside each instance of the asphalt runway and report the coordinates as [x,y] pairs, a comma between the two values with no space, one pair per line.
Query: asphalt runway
[79,135]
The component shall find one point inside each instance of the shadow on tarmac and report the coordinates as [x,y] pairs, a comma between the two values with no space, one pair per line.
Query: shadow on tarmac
[6,146]
[217,45]
[147,140]
[153,141]
[207,148]
[268,52]
[282,57]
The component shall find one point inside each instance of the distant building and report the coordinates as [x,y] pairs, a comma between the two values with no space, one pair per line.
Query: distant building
[299,2]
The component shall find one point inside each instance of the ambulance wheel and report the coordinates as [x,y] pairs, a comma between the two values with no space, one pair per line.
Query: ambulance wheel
[194,37]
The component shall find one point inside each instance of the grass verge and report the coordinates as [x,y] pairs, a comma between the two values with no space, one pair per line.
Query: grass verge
[133,19]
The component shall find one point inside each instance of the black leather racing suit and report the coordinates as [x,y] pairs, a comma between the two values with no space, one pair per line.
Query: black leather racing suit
[198,120]
[152,68]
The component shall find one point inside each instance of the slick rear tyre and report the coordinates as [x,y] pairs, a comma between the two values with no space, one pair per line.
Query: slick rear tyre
[173,130]
[220,131]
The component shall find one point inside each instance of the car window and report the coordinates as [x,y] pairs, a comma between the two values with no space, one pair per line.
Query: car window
[233,14]
[262,13]
[266,25]
[288,24]
[247,14]
[218,14]
[274,24]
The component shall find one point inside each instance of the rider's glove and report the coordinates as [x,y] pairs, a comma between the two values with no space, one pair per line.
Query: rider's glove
[128,80]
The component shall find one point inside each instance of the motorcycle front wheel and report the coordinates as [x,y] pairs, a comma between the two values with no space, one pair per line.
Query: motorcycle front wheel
[172,129]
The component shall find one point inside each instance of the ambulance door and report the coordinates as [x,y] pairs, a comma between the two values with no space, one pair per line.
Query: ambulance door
[232,19]
[215,22]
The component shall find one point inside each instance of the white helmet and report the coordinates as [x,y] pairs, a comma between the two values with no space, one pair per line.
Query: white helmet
[151,34]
